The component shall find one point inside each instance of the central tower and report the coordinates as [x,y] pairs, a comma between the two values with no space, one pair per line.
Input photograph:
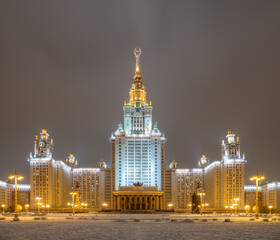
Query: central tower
[138,148]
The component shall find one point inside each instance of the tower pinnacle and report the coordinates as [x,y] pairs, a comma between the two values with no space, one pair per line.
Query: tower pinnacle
[137,90]
[137,53]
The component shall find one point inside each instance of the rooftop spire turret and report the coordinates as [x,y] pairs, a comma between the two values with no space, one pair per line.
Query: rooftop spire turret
[137,90]
[137,53]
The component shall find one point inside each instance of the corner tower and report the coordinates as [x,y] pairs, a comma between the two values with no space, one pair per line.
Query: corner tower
[43,147]
[138,149]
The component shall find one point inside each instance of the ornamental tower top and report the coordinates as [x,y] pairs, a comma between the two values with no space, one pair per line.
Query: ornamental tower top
[137,91]
[231,146]
[43,147]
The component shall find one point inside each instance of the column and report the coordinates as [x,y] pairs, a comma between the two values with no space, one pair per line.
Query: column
[160,202]
[156,203]
[125,202]
[115,202]
[119,202]
[129,204]
[140,202]
[146,203]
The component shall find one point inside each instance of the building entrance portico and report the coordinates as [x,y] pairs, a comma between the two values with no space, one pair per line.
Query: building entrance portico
[138,198]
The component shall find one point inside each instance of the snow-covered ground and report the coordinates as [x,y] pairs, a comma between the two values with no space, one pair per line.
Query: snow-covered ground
[138,226]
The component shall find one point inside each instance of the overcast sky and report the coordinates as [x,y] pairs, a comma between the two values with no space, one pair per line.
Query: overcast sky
[208,67]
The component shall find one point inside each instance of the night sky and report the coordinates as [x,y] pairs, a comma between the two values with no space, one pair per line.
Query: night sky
[208,67]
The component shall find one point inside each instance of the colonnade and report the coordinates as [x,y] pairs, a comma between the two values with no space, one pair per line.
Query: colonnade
[138,202]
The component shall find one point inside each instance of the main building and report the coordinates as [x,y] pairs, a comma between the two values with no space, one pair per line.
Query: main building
[138,177]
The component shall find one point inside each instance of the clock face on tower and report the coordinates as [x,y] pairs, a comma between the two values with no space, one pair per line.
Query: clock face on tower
[41,144]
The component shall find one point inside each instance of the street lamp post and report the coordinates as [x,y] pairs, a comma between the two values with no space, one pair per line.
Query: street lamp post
[247,208]
[73,201]
[48,207]
[201,194]
[270,208]
[257,178]
[3,206]
[39,203]
[235,204]
[16,177]
[226,208]
[26,207]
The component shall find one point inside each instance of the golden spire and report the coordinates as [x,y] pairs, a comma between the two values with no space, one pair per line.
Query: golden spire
[137,90]
[137,53]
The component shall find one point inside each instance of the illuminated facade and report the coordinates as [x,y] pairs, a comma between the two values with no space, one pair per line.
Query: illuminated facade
[212,184]
[138,178]
[138,198]
[232,172]
[250,195]
[7,194]
[138,151]
[51,181]
[23,194]
[271,194]
[225,179]
[90,183]
[186,183]
[138,157]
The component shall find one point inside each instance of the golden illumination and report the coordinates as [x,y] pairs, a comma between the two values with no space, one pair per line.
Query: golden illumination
[44,130]
[170,205]
[3,207]
[16,177]
[247,208]
[73,201]
[270,207]
[39,202]
[257,178]
[137,94]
